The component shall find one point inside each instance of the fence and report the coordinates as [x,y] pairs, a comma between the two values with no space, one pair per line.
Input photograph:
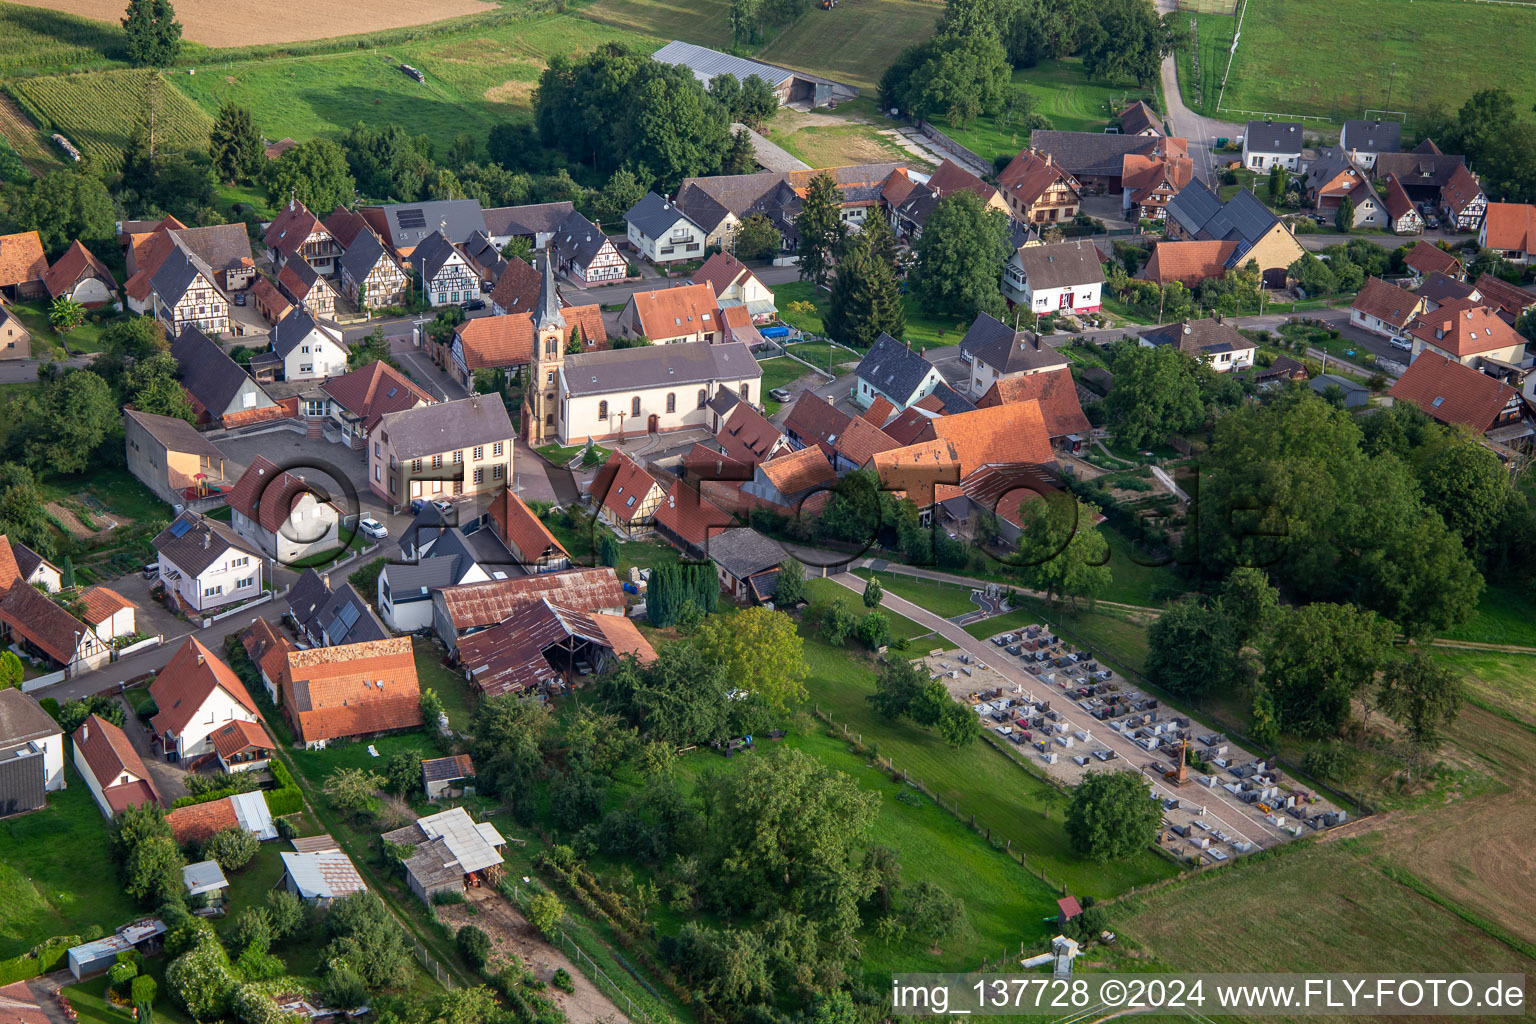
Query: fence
[38,682]
[980,166]
[142,645]
[431,965]
[209,620]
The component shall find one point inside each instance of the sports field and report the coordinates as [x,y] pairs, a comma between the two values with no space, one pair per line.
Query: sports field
[1335,58]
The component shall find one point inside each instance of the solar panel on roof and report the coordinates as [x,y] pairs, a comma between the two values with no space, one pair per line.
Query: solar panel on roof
[180,527]
[413,218]
[347,614]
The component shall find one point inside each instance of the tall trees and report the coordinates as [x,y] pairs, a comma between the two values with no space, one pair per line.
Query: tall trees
[757,239]
[234,145]
[960,257]
[385,162]
[1191,649]
[1496,138]
[65,205]
[1112,815]
[821,229]
[739,157]
[954,75]
[1318,657]
[1421,694]
[315,172]
[1128,40]
[761,653]
[154,34]
[1061,551]
[1344,216]
[866,300]
[68,419]
[1156,393]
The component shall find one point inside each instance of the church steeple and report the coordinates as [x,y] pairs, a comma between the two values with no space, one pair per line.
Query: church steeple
[546,315]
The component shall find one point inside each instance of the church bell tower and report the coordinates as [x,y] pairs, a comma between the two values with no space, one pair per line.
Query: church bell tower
[541,407]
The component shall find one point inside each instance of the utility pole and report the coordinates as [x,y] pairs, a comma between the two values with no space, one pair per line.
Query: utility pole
[1390,76]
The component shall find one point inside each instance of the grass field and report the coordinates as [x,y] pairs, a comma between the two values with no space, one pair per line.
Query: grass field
[37,39]
[839,144]
[902,628]
[1293,52]
[99,111]
[779,372]
[706,22]
[42,893]
[922,330]
[1505,615]
[856,41]
[939,598]
[1064,93]
[1506,682]
[1212,41]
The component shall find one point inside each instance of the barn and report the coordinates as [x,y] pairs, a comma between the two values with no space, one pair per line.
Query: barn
[793,87]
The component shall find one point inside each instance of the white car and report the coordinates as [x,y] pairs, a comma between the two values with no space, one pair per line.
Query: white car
[373,528]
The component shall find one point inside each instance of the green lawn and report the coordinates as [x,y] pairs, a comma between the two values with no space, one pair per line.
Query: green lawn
[853,139]
[823,354]
[44,893]
[1132,581]
[1113,634]
[1214,40]
[1505,615]
[939,598]
[1292,52]
[1064,93]
[1002,795]
[853,43]
[45,343]
[458,701]
[706,22]
[779,372]
[1506,682]
[824,590]
[315,765]
[582,546]
[923,331]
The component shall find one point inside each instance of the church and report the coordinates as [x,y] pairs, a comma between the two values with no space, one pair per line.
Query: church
[621,393]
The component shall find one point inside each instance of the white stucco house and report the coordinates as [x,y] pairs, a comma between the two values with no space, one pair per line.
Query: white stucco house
[206,564]
[309,349]
[282,514]
[1267,143]
[891,369]
[662,233]
[197,695]
[1066,277]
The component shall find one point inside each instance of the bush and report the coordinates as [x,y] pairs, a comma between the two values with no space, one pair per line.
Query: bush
[121,976]
[286,829]
[563,981]
[448,897]
[544,912]
[474,946]
[232,848]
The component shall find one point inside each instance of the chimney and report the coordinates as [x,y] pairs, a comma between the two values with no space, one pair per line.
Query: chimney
[85,731]
[1216,317]
[199,659]
[1047,159]
[326,579]
[207,536]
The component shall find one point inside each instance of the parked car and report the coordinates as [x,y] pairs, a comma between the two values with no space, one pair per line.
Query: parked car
[444,507]
[780,395]
[151,570]
[470,305]
[239,298]
[371,527]
[1402,343]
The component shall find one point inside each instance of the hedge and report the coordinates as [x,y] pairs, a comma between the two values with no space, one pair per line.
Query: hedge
[286,799]
[20,968]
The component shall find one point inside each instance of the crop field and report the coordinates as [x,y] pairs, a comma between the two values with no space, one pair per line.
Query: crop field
[211,22]
[1292,54]
[98,111]
[706,22]
[44,38]
[856,41]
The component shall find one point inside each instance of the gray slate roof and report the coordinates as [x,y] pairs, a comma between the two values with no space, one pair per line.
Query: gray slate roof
[1331,161]
[706,64]
[179,270]
[633,369]
[953,400]
[653,215]
[428,257]
[1090,153]
[1062,265]
[701,208]
[363,255]
[1006,350]
[1282,137]
[742,552]
[1243,218]
[208,372]
[23,719]
[446,426]
[1418,170]
[893,367]
[341,615]
[297,326]
[1372,136]
[526,221]
[223,247]
[187,551]
[411,223]
[578,240]
[415,581]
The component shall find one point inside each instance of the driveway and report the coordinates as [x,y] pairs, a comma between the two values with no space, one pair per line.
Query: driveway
[1202,132]
[169,779]
[151,616]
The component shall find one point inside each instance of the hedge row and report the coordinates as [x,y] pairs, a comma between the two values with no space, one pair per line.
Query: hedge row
[20,968]
[286,799]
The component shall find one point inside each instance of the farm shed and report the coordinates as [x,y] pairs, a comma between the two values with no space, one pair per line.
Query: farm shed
[100,954]
[318,872]
[449,852]
[439,774]
[792,87]
[205,878]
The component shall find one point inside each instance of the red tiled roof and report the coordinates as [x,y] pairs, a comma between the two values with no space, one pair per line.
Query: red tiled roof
[524,533]
[1464,329]
[1461,190]
[1143,173]
[814,419]
[186,683]
[1056,392]
[76,262]
[266,294]
[917,469]
[1509,300]
[51,629]
[344,226]
[9,571]
[19,1006]
[1003,490]
[691,517]
[793,472]
[861,439]
[197,823]
[267,494]
[371,391]
[1451,392]
[1511,227]
[1387,302]
[1399,204]
[670,312]
[911,426]
[1029,175]
[331,692]
[289,229]
[627,488]
[101,604]
[296,284]
[879,412]
[951,177]
[502,341]
[517,289]
[240,735]
[109,754]
[721,271]
[897,187]
[746,434]
[1014,432]
[21,259]
[704,463]
[1188,263]
[1431,259]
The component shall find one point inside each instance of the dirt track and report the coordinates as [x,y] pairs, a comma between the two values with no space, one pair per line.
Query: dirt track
[211,22]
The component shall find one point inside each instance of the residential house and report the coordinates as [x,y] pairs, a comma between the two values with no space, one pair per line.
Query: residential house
[453,448]
[814,420]
[224,249]
[296,233]
[649,390]
[31,753]
[34,570]
[205,564]
[449,853]
[113,771]
[748,436]
[1509,229]
[688,521]
[1096,160]
[1188,263]
[1270,143]
[197,823]
[777,196]
[361,689]
[1365,140]
[1385,309]
[912,203]
[319,877]
[1056,393]
[278,512]
[517,289]
[484,258]
[109,613]
[80,276]
[446,276]
[1149,180]
[505,342]
[1066,277]
[717,221]
[1423,172]
[626,496]
[890,368]
[1001,492]
[585,254]
[406,226]
[15,339]
[222,393]
[1038,190]
[792,484]
[1403,216]
[1425,259]
[1198,214]
[1462,201]
[196,693]
[37,625]
[242,746]
[1334,177]
[1218,344]
[748,564]
[270,301]
[734,285]
[306,288]
[1140,119]
[459,611]
[445,776]
[331,618]
[544,646]
[952,448]
[22,266]
[1460,395]
[168,455]
[1498,294]
[537,223]
[309,349]
[661,232]
[532,545]
[996,352]
[1468,334]
[369,275]
[183,294]
[672,316]
[358,399]
[404,589]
